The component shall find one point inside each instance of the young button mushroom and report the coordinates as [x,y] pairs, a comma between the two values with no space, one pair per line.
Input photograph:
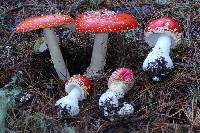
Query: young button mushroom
[102,22]
[162,34]
[78,88]
[120,82]
[46,22]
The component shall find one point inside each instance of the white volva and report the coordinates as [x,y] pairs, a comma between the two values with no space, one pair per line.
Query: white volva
[114,92]
[161,49]
[98,59]
[70,102]
[112,95]
[126,109]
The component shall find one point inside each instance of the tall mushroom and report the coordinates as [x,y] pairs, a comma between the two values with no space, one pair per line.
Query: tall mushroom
[77,87]
[161,34]
[46,22]
[102,22]
[119,83]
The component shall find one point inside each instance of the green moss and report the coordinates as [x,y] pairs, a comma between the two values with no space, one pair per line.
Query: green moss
[8,95]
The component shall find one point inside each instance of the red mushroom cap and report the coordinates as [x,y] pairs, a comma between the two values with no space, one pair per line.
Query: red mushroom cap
[38,22]
[79,80]
[104,21]
[160,26]
[122,74]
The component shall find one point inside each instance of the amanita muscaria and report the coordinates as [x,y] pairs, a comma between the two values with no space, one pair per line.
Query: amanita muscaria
[102,22]
[77,87]
[162,34]
[46,22]
[119,83]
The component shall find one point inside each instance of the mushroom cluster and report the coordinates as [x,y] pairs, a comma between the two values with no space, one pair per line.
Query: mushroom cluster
[101,22]
[162,34]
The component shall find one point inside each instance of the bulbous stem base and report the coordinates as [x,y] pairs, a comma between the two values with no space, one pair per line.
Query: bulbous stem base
[69,103]
[109,101]
[158,62]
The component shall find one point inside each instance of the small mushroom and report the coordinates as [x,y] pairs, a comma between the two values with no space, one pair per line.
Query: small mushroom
[77,87]
[102,22]
[161,34]
[119,83]
[46,22]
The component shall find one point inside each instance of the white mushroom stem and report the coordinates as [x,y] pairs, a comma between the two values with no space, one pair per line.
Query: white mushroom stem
[56,55]
[75,93]
[109,101]
[163,43]
[98,59]
[161,50]
[113,94]
[70,102]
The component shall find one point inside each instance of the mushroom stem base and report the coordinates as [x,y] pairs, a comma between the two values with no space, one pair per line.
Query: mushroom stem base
[56,55]
[98,59]
[69,103]
[158,62]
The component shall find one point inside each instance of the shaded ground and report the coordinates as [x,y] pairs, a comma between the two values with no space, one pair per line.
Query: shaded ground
[169,106]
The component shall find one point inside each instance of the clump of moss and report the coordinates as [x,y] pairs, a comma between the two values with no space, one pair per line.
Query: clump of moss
[8,94]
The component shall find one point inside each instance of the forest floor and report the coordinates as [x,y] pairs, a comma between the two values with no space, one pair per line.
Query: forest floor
[169,106]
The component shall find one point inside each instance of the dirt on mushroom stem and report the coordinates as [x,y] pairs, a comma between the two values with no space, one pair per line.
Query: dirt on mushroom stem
[154,102]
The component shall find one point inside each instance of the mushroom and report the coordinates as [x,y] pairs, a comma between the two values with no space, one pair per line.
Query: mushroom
[119,83]
[161,34]
[102,22]
[46,22]
[77,87]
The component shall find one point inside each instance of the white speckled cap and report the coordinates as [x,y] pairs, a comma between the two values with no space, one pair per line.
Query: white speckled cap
[162,26]
[37,22]
[124,75]
[105,21]
[81,81]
